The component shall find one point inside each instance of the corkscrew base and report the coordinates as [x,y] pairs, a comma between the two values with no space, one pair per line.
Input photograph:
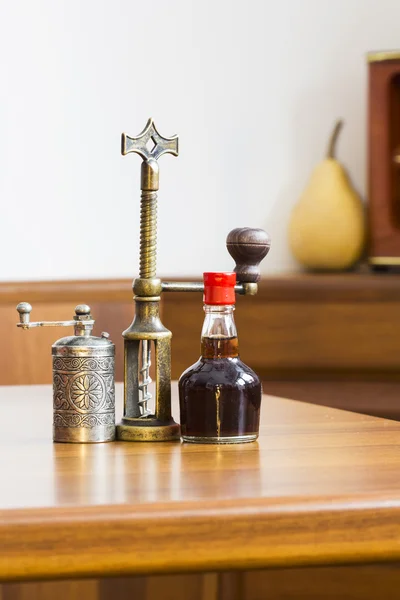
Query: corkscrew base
[137,430]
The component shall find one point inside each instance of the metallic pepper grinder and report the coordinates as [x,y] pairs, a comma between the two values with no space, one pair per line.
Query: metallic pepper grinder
[83,379]
[247,247]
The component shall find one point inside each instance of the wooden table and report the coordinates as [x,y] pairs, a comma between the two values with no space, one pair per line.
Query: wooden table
[321,487]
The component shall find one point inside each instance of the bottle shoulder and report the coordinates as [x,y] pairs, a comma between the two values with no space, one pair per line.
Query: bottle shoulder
[219,371]
[192,369]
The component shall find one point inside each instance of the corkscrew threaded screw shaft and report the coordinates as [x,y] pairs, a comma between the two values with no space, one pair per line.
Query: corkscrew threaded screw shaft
[148,235]
[147,270]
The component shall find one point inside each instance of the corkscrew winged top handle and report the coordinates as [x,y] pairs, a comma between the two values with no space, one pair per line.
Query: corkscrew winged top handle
[140,144]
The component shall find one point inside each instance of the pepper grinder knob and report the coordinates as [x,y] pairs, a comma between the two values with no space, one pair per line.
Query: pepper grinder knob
[24,309]
[248,247]
[82,310]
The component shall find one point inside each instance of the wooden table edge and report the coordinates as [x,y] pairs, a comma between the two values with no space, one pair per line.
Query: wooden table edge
[197,536]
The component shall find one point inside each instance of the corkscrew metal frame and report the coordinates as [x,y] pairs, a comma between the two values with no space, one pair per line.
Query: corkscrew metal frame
[247,246]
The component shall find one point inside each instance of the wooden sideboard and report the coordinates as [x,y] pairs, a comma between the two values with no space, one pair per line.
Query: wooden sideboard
[329,339]
[313,507]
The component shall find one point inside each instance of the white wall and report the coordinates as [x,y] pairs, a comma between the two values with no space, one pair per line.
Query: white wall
[251,87]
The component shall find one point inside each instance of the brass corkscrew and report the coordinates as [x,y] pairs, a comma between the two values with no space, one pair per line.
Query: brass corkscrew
[246,246]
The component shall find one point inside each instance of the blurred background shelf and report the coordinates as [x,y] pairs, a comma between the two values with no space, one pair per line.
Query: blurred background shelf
[330,339]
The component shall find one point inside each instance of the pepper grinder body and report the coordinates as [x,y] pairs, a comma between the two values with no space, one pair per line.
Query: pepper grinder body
[83,390]
[83,379]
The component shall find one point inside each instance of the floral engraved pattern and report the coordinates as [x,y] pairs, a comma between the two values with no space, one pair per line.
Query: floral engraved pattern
[83,391]
[86,391]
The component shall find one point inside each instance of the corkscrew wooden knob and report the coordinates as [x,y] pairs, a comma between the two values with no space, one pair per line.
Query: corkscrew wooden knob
[248,247]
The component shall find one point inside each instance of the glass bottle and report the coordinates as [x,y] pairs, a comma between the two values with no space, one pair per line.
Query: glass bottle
[219,396]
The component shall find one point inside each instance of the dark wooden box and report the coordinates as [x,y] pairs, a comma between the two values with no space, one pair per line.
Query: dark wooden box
[384,158]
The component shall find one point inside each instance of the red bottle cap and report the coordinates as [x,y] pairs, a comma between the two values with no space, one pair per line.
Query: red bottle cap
[219,288]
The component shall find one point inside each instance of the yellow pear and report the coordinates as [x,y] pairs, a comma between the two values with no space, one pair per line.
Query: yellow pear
[327,226]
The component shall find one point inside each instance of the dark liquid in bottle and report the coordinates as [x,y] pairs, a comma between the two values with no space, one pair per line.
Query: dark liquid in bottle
[220,396]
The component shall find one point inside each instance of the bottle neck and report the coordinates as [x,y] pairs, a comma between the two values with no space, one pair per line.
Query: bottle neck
[219,335]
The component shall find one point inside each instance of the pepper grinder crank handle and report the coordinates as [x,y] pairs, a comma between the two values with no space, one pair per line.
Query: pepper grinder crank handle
[82,321]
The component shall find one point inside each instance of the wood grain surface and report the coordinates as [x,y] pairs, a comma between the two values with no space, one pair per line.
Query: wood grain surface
[376,398]
[366,582]
[297,327]
[305,340]
[320,487]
